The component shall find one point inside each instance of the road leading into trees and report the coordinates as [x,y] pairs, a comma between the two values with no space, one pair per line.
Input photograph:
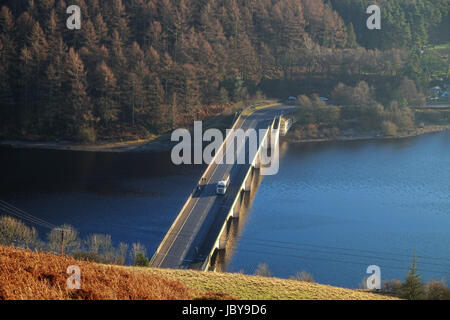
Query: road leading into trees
[190,239]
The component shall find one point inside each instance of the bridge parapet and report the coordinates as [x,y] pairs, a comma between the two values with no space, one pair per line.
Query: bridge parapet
[158,256]
[286,124]
[194,231]
[271,136]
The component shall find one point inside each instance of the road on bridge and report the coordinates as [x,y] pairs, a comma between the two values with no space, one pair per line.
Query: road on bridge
[192,236]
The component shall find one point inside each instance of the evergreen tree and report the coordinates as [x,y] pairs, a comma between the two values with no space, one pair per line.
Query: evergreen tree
[101,29]
[77,111]
[7,53]
[53,100]
[154,63]
[413,288]
[351,37]
[106,107]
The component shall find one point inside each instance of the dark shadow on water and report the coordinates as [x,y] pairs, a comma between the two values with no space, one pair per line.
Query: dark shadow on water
[234,228]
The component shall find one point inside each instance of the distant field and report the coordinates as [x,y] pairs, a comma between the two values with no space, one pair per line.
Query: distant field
[436,59]
[442,48]
[26,275]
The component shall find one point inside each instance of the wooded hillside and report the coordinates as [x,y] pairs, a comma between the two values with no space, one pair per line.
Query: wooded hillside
[153,65]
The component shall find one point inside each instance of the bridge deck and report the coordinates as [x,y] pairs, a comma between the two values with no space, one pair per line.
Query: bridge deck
[196,228]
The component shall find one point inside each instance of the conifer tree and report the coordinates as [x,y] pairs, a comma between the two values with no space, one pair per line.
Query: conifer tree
[77,112]
[413,288]
[106,107]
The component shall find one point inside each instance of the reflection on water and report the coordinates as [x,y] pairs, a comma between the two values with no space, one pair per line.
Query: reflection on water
[332,210]
[234,228]
[132,196]
[336,208]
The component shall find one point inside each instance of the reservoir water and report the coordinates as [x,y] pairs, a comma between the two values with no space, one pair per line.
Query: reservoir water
[134,197]
[333,209]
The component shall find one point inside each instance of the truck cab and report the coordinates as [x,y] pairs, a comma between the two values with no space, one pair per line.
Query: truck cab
[222,185]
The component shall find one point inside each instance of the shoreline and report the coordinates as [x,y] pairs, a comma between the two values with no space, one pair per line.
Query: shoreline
[361,137]
[163,143]
[142,145]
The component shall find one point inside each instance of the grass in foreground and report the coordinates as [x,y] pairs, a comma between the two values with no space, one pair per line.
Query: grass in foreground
[34,276]
[246,287]
[26,275]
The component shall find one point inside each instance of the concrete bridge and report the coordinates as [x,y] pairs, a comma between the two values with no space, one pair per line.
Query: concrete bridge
[202,227]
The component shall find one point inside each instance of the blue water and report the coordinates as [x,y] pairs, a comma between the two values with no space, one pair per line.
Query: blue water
[337,207]
[333,209]
[134,197]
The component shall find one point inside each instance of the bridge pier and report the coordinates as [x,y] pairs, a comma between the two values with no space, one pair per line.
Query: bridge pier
[261,160]
[248,182]
[221,244]
[238,205]
[257,163]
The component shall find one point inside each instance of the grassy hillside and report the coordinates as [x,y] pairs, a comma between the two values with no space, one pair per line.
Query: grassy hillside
[30,275]
[246,287]
[26,275]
